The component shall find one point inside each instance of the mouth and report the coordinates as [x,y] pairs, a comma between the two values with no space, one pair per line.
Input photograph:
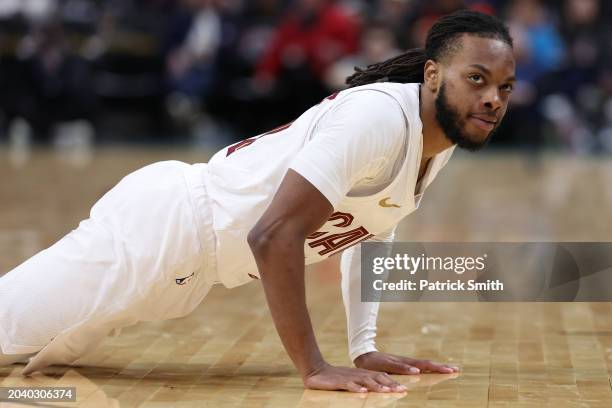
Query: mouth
[485,124]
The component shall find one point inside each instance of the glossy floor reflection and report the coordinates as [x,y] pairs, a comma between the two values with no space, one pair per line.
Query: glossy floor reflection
[227,352]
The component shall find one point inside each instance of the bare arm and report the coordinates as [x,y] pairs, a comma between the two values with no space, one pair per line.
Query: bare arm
[277,242]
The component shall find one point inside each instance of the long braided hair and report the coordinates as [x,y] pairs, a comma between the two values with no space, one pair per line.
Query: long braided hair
[441,39]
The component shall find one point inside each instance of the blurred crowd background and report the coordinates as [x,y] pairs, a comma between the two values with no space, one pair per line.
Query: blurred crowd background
[214,71]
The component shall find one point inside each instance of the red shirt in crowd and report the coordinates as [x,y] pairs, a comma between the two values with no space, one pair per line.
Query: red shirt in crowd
[331,34]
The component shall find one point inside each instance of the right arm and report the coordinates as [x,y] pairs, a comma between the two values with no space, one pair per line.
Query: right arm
[361,132]
[277,242]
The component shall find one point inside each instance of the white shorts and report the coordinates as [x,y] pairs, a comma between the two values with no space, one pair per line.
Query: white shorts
[147,252]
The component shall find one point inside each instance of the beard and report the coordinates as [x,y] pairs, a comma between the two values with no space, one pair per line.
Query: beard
[453,125]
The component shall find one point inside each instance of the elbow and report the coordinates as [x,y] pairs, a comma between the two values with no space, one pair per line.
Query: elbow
[260,240]
[261,245]
[274,248]
[256,240]
[280,236]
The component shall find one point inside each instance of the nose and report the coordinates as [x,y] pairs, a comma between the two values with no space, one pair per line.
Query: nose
[491,100]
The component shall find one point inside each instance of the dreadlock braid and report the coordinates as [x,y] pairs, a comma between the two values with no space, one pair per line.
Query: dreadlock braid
[406,67]
[441,41]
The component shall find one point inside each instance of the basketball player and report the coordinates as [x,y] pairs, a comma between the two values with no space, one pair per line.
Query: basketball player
[347,170]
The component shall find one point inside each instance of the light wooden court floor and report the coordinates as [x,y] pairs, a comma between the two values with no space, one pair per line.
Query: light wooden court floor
[227,352]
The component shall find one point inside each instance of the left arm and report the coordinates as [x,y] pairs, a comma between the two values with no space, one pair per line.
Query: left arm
[361,322]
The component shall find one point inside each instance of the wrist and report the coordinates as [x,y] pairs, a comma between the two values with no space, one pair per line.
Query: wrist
[362,360]
[314,369]
[362,349]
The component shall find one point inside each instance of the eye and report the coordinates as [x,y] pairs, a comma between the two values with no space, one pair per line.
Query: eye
[476,78]
[508,88]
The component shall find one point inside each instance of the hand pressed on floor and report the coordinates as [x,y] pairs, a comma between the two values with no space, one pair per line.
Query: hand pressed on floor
[393,364]
[351,379]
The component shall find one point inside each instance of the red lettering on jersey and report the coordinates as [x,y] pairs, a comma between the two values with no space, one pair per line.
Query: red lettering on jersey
[347,219]
[249,141]
[333,242]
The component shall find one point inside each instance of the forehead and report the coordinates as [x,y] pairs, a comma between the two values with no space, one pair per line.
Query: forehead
[491,53]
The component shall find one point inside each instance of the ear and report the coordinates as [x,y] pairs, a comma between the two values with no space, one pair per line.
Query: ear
[432,75]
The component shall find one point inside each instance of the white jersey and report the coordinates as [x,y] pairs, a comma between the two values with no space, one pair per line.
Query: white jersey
[334,146]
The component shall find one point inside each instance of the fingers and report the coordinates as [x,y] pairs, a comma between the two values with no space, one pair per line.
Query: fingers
[441,368]
[353,380]
[352,386]
[429,366]
[381,382]
[454,369]
[400,367]
[386,380]
[374,386]
[393,365]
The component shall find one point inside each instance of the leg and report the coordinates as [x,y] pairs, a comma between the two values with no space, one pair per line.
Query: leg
[118,267]
[53,290]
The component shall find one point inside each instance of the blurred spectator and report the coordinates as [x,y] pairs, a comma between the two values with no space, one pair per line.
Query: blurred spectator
[55,83]
[424,18]
[141,69]
[396,14]
[246,35]
[538,49]
[581,79]
[191,62]
[377,44]
[130,69]
[33,10]
[311,36]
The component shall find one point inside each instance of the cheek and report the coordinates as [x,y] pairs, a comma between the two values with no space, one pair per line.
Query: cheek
[464,108]
[460,98]
[504,110]
[466,100]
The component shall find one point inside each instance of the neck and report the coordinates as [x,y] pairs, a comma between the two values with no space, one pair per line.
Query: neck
[434,139]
